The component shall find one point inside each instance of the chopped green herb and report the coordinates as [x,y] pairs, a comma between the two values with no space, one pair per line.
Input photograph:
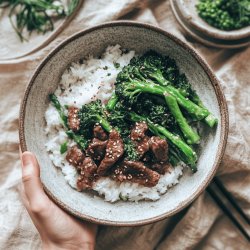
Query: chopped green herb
[36,15]
[64,147]
[117,65]
[109,74]
[124,198]
[105,68]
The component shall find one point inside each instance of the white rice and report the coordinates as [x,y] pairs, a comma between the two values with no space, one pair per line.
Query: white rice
[80,84]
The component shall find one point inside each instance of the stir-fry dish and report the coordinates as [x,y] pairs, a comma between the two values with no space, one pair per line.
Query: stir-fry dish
[145,129]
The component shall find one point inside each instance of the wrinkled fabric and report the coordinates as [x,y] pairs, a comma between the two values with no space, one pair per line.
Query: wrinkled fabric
[200,226]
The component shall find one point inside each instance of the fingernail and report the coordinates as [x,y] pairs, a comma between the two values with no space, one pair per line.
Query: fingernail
[27,159]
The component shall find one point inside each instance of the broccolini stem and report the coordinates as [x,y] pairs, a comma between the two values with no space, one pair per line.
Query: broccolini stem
[188,153]
[199,112]
[147,87]
[80,140]
[112,102]
[59,108]
[191,136]
[104,123]
[192,108]
[210,120]
[196,99]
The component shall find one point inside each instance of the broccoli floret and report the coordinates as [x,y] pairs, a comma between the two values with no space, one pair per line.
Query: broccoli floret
[112,102]
[156,110]
[118,118]
[93,113]
[164,71]
[130,150]
[151,65]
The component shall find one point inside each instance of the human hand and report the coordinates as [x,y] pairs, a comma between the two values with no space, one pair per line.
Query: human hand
[57,229]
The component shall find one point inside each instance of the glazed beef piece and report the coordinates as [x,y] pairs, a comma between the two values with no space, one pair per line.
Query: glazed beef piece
[87,174]
[142,146]
[136,171]
[159,148]
[75,156]
[139,130]
[97,149]
[161,168]
[73,120]
[85,166]
[114,151]
[147,158]
[139,138]
[99,133]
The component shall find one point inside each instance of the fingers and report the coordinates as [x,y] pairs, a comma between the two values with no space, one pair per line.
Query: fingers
[33,190]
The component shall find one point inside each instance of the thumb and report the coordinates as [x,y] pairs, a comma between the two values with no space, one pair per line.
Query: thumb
[33,189]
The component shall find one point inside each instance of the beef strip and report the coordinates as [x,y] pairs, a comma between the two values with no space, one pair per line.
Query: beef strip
[73,120]
[142,146]
[147,157]
[75,156]
[139,138]
[114,151]
[139,130]
[161,168]
[97,149]
[99,133]
[159,148]
[136,171]
[87,174]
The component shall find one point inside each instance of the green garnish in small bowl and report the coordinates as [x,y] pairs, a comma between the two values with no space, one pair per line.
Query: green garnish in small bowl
[225,14]
[36,15]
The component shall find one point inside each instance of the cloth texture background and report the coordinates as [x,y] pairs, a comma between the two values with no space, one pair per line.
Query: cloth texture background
[200,226]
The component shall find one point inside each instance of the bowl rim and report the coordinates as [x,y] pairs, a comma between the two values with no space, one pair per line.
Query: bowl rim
[214,82]
[202,26]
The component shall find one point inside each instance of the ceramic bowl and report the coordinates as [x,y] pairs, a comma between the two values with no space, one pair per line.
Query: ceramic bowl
[187,16]
[141,38]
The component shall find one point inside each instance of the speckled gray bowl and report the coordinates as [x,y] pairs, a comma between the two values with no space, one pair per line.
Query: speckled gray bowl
[139,37]
[187,16]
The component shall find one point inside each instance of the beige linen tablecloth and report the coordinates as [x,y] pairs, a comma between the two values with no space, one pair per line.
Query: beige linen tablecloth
[202,225]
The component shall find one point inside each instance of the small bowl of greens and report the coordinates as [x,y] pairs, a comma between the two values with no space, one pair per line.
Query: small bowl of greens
[219,23]
[129,124]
